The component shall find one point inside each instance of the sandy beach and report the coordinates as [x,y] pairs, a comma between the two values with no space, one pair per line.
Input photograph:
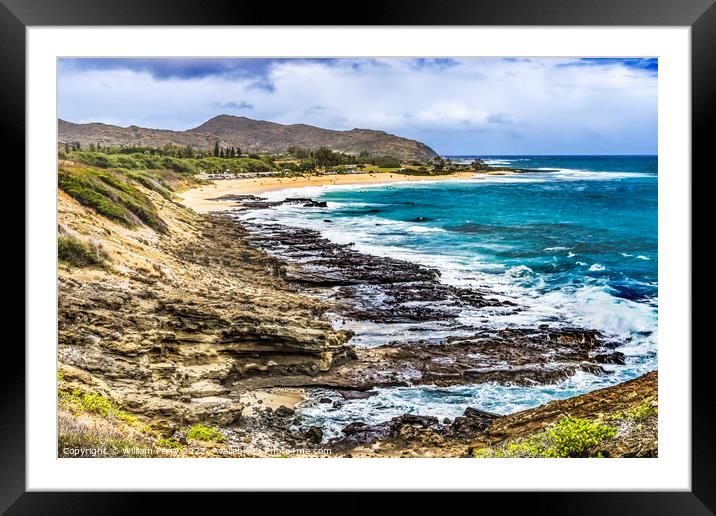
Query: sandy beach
[199,199]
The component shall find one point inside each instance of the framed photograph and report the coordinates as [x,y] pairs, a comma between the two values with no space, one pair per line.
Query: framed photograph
[443,251]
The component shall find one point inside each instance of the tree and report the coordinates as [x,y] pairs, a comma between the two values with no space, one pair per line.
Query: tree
[297,152]
[221,152]
[479,164]
[98,146]
[67,148]
[216,149]
[325,157]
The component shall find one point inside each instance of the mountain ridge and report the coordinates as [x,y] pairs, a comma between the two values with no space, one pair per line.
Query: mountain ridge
[250,135]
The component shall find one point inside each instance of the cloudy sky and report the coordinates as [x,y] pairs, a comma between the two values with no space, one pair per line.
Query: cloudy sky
[457,106]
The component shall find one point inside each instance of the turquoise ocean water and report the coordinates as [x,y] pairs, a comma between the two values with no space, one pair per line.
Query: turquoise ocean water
[574,241]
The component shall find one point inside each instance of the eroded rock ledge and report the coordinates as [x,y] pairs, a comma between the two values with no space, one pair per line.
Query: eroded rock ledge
[521,357]
[161,331]
[375,288]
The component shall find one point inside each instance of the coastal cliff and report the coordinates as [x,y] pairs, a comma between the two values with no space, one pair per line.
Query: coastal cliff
[166,317]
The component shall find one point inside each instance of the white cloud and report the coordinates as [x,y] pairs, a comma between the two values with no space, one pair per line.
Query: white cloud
[475,106]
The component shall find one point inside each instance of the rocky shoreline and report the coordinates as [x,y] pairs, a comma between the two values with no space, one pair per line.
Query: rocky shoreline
[387,291]
[187,328]
[382,290]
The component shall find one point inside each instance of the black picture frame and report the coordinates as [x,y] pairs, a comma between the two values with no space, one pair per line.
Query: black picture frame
[700,15]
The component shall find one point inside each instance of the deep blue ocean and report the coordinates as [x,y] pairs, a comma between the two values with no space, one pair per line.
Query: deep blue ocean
[574,241]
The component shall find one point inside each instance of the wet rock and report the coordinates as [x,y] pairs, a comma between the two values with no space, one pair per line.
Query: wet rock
[398,424]
[520,356]
[477,414]
[355,428]
[179,437]
[303,201]
[325,400]
[615,357]
[357,395]
[238,198]
[374,288]
[314,434]
[361,433]
[471,423]
[284,411]
[258,203]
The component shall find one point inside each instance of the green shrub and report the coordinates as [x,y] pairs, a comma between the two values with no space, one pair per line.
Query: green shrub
[169,443]
[570,437]
[184,165]
[95,159]
[573,437]
[151,183]
[205,433]
[233,165]
[79,253]
[129,162]
[95,404]
[537,445]
[149,160]
[178,164]
[109,194]
[646,409]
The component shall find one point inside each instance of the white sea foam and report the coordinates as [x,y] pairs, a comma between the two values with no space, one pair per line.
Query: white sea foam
[514,178]
[597,267]
[576,174]
[425,229]
[520,271]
